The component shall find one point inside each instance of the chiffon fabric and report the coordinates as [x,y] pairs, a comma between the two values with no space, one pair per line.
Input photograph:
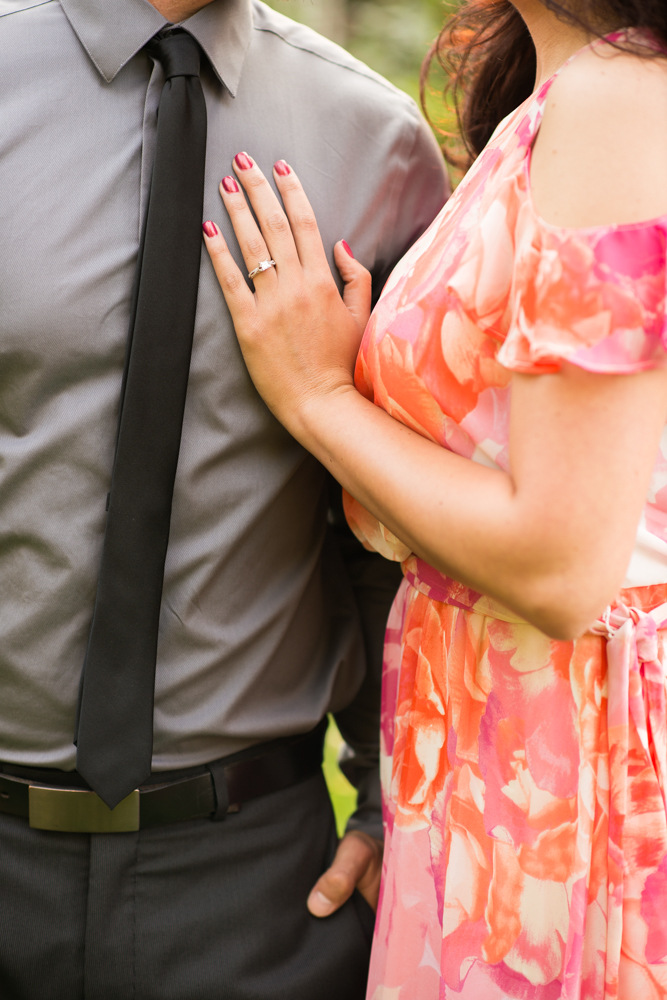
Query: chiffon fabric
[524,778]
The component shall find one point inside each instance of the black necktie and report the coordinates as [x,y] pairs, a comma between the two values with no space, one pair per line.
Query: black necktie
[114,732]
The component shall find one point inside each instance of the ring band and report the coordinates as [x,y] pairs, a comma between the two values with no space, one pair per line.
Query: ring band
[263,265]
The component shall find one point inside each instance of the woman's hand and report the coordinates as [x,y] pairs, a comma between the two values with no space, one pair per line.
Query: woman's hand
[298,337]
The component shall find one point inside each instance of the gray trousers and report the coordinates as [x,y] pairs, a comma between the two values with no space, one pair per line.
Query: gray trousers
[190,911]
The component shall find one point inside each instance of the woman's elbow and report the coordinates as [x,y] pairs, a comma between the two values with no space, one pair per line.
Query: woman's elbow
[565,608]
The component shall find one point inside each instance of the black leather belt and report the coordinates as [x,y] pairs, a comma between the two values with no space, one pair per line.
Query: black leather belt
[210,791]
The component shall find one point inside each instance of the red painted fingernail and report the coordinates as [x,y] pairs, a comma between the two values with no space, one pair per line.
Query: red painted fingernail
[282,168]
[210,229]
[243,161]
[346,247]
[230,185]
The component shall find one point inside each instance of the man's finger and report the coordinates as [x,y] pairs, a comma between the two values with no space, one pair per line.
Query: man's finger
[358,863]
[238,296]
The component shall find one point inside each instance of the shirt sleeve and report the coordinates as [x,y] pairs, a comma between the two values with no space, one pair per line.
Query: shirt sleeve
[420,189]
[592,297]
[374,583]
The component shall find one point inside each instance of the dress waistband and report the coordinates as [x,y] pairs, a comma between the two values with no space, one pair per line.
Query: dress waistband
[632,604]
[636,665]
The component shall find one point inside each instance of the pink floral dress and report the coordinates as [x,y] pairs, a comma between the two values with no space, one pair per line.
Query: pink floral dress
[524,778]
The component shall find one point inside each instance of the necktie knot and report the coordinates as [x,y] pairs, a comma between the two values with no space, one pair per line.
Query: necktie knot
[178,53]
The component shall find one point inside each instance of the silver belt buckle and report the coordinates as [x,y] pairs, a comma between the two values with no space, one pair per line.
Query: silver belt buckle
[74,810]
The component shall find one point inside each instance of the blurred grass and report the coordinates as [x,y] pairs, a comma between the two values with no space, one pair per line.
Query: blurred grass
[343,795]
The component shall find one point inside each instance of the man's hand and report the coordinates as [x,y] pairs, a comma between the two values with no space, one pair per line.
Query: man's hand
[357,865]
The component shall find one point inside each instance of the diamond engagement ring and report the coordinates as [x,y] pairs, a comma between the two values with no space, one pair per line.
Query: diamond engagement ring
[263,265]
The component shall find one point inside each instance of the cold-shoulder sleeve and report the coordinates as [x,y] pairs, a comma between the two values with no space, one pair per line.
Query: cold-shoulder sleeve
[592,297]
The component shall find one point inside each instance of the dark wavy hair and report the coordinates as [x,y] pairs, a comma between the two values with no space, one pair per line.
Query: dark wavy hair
[488,57]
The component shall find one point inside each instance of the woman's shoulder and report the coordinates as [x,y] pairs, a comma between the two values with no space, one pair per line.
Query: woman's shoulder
[600,155]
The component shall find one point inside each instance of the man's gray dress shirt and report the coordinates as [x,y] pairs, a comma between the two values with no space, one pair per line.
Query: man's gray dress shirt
[258,635]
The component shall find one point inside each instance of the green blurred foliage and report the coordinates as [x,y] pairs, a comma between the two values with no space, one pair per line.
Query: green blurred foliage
[390,36]
[343,795]
[393,37]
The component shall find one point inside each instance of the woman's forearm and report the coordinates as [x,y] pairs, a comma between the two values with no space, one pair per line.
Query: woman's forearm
[461,517]
[552,537]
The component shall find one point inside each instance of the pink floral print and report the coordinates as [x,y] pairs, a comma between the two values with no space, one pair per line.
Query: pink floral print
[524,778]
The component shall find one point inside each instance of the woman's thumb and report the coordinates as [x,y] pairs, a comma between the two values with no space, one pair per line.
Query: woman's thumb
[357,291]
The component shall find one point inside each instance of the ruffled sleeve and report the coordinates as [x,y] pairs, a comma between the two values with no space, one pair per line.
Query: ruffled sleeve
[592,297]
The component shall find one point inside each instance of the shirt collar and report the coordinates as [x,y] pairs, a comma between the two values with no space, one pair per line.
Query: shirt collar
[112,31]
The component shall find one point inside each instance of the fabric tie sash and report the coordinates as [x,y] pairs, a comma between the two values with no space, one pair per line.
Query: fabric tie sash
[635,680]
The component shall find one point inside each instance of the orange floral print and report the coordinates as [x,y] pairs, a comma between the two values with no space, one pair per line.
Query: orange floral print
[524,779]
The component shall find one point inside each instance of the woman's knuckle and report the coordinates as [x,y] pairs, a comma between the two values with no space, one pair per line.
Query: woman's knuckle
[277,223]
[255,246]
[291,185]
[217,252]
[232,281]
[300,298]
[306,222]
[252,331]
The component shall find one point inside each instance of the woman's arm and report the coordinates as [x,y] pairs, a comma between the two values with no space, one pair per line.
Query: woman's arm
[551,539]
